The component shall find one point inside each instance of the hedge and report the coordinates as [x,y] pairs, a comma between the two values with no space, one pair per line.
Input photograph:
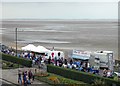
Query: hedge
[16,60]
[79,76]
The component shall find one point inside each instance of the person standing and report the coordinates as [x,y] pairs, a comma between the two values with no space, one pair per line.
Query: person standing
[34,72]
[19,77]
[60,62]
[65,62]
[25,78]
[49,60]
[71,62]
[59,54]
[55,61]
[104,73]
[52,54]
[30,75]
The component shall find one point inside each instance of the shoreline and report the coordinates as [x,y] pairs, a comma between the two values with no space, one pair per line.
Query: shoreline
[63,35]
[66,51]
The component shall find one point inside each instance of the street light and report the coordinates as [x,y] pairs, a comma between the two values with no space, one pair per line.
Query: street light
[16,41]
[16,46]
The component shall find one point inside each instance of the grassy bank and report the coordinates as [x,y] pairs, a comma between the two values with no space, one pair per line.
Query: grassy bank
[9,65]
[80,76]
[53,79]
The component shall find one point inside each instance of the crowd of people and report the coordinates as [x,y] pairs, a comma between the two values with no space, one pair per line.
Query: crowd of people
[9,51]
[80,65]
[107,73]
[73,64]
[36,58]
[58,61]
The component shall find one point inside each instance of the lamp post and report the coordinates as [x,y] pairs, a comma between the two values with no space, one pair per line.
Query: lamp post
[16,41]
[16,45]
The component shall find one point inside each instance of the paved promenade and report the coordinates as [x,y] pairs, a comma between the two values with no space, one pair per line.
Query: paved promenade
[11,75]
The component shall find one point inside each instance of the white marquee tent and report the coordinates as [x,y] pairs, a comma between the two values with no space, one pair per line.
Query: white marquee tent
[29,47]
[39,49]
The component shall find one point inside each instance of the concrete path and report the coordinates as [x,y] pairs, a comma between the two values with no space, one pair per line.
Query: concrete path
[12,75]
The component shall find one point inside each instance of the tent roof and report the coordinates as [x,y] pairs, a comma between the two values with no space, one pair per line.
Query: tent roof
[29,47]
[41,49]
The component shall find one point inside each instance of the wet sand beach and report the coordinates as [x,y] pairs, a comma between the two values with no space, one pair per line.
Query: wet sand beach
[63,34]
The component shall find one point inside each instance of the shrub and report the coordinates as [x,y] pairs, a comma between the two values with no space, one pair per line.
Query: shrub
[78,75]
[41,74]
[54,79]
[44,79]
[99,82]
[116,78]
[16,60]
[9,65]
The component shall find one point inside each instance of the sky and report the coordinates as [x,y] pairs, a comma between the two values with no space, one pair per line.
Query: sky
[59,9]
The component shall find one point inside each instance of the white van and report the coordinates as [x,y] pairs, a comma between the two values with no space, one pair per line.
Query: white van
[102,58]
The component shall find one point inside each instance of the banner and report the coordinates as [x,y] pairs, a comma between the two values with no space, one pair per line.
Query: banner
[79,54]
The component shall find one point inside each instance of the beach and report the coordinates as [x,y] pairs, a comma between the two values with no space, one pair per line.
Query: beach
[66,35]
